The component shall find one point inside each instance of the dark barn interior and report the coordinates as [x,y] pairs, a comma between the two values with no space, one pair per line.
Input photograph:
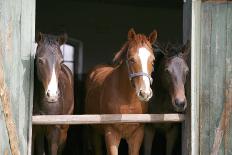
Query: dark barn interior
[102,25]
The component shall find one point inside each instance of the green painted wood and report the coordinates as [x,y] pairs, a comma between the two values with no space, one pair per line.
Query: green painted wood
[204,82]
[17,22]
[228,76]
[215,72]
[217,68]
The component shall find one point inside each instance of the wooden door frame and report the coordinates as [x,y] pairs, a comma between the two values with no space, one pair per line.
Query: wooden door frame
[195,74]
[191,125]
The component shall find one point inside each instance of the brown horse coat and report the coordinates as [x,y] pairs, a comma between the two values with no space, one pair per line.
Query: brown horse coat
[110,91]
[171,70]
[62,104]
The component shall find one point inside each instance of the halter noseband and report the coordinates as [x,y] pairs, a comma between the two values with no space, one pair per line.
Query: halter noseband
[133,75]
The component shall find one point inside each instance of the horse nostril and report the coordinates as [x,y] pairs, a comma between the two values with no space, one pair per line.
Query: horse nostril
[142,93]
[48,94]
[179,103]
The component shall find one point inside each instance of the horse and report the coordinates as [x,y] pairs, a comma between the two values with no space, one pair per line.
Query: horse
[122,88]
[171,70]
[53,94]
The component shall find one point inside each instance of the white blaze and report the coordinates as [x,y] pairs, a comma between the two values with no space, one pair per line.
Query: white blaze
[53,84]
[144,55]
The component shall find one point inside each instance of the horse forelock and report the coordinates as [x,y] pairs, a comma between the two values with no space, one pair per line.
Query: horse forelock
[168,49]
[174,50]
[139,39]
[50,42]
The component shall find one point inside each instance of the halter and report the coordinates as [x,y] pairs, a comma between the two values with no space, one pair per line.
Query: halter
[133,75]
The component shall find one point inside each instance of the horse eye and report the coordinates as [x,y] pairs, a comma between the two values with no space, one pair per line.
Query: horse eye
[132,60]
[41,61]
[167,70]
[153,62]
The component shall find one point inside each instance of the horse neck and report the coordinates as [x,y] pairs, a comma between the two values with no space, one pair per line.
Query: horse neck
[124,84]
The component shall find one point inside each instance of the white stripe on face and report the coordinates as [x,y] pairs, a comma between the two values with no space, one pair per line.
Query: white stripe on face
[53,84]
[144,55]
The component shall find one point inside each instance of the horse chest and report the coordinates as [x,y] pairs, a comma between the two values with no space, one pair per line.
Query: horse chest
[123,107]
[130,109]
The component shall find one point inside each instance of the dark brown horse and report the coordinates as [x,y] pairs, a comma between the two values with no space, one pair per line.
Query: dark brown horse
[170,71]
[53,94]
[123,89]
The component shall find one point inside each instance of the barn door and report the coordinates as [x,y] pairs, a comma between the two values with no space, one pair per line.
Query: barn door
[17,22]
[215,101]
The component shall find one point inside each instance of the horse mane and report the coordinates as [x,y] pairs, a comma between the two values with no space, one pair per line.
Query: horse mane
[118,57]
[121,54]
[50,40]
[173,49]
[168,49]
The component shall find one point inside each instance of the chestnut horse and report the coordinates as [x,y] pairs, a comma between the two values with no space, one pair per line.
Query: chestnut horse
[53,94]
[123,89]
[170,71]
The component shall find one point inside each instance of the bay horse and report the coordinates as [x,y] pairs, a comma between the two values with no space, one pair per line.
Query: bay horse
[170,70]
[53,94]
[122,89]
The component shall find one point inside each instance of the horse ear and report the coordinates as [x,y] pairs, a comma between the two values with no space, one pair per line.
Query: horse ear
[62,38]
[167,48]
[131,34]
[186,48]
[159,49]
[153,36]
[39,37]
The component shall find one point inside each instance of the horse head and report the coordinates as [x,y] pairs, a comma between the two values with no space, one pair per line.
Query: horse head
[138,55]
[175,71]
[48,61]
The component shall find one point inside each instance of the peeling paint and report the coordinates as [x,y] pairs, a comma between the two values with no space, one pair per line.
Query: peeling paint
[6,152]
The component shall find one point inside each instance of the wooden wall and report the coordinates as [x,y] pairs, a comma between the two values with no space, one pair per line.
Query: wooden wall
[215,78]
[17,21]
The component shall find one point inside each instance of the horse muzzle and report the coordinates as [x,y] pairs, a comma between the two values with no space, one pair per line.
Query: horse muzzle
[52,97]
[144,96]
[180,105]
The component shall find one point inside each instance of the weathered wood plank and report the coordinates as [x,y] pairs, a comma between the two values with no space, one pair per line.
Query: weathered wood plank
[206,22]
[217,68]
[217,1]
[17,34]
[27,35]
[228,78]
[106,118]
[3,136]
[9,16]
[215,75]
[195,75]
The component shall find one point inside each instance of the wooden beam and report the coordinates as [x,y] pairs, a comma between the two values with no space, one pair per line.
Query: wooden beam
[195,75]
[106,118]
